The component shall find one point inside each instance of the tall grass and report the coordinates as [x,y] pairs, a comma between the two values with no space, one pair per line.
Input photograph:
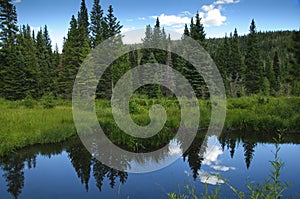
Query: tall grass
[31,122]
[23,126]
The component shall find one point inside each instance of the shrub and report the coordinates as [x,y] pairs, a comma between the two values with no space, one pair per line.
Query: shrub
[29,102]
[48,101]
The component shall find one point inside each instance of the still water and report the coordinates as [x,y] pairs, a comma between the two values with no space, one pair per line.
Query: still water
[67,170]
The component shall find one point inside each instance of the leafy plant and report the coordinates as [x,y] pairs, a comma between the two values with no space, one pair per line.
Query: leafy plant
[48,101]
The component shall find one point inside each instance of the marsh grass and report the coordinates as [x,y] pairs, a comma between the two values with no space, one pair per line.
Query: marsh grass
[29,122]
[28,126]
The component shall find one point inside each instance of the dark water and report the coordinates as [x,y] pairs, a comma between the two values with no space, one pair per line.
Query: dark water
[67,170]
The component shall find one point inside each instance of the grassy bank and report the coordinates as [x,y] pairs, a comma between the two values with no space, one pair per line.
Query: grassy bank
[23,126]
[29,122]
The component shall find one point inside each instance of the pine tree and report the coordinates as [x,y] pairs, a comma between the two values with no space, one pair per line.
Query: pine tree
[253,62]
[83,20]
[235,57]
[159,40]
[112,25]
[27,48]
[198,30]
[70,61]
[111,28]
[97,20]
[295,67]
[8,22]
[197,33]
[277,71]
[186,31]
[8,54]
[270,75]
[235,65]
[44,62]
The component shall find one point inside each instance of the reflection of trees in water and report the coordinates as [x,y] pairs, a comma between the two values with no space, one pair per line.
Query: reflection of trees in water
[84,163]
[13,166]
[86,166]
[248,152]
[194,155]
[81,161]
[249,141]
[14,175]
[100,171]
[229,140]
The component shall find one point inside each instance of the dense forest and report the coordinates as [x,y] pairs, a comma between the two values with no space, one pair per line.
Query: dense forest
[264,63]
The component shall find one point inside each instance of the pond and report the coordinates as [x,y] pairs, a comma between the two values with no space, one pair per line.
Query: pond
[67,170]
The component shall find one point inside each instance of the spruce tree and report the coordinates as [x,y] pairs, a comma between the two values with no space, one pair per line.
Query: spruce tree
[111,28]
[235,57]
[294,72]
[198,30]
[8,22]
[83,19]
[27,47]
[253,62]
[277,71]
[70,61]
[112,25]
[270,75]
[44,62]
[235,65]
[8,54]
[186,31]
[97,20]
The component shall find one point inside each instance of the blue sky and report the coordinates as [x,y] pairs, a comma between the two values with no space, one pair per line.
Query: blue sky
[219,16]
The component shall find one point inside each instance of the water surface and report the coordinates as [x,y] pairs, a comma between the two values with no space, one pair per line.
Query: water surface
[67,170]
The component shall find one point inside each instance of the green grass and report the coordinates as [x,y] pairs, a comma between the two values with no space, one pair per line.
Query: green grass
[29,122]
[23,126]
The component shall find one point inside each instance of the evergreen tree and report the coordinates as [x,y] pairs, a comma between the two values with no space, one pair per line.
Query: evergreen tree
[277,71]
[97,20]
[43,61]
[70,61]
[198,30]
[186,31]
[253,63]
[8,22]
[112,25]
[270,75]
[8,54]
[235,66]
[236,61]
[27,48]
[197,33]
[83,20]
[83,32]
[111,28]
[294,72]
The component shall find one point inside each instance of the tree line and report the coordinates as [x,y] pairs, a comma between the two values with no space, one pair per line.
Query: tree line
[258,63]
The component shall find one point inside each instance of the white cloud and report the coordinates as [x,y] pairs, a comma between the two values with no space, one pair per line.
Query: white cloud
[18,1]
[211,155]
[141,18]
[210,179]
[214,17]
[222,168]
[35,29]
[207,8]
[226,1]
[185,13]
[169,20]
